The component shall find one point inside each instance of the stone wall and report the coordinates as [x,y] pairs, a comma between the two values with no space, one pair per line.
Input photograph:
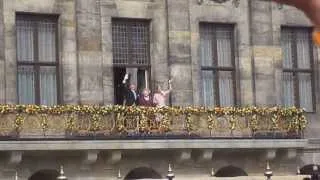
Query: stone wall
[78,166]
[67,39]
[85,48]
[2,57]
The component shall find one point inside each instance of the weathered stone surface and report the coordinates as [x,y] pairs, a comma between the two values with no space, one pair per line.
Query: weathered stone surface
[261,22]
[85,54]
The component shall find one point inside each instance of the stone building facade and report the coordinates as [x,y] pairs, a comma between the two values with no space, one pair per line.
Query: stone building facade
[85,53]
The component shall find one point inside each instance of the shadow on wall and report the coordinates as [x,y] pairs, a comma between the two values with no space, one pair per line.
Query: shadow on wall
[45,175]
[230,171]
[142,173]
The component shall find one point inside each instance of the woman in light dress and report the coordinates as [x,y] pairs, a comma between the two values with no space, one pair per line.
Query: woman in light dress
[160,96]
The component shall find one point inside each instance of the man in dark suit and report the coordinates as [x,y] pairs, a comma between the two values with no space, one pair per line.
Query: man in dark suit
[130,94]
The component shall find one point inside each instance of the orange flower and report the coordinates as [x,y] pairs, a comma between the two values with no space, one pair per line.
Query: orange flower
[316,37]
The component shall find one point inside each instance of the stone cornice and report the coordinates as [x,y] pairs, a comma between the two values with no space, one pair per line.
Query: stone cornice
[152,144]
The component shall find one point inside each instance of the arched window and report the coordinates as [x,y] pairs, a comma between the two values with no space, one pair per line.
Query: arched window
[230,171]
[142,173]
[45,175]
[308,169]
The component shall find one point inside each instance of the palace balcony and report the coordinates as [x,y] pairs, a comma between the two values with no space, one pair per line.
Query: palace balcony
[72,122]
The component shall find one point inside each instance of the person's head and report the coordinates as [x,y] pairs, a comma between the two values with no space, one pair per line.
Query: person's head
[158,89]
[132,87]
[146,92]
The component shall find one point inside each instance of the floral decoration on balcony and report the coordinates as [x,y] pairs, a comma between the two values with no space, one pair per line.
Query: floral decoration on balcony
[120,119]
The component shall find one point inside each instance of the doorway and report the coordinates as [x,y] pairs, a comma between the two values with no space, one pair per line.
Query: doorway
[138,76]
[118,75]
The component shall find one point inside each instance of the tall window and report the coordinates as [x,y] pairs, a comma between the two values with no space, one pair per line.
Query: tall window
[297,84]
[217,64]
[37,59]
[131,53]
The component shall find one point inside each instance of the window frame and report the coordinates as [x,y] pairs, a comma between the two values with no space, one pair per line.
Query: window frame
[215,69]
[129,22]
[36,64]
[295,70]
[144,66]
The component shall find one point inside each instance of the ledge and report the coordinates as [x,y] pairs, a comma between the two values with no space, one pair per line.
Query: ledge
[151,144]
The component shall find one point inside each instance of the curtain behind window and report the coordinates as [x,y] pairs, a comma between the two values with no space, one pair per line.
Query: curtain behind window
[296,51]
[28,31]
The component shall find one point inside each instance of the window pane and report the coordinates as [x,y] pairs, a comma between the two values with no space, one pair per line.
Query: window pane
[130,41]
[25,48]
[226,88]
[208,88]
[286,44]
[26,91]
[140,34]
[120,43]
[303,48]
[47,41]
[224,37]
[305,90]
[288,89]
[206,54]
[48,85]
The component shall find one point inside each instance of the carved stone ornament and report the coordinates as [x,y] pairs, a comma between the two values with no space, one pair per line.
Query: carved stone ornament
[209,2]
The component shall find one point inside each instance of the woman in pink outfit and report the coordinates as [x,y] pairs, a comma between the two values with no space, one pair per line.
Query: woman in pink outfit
[160,96]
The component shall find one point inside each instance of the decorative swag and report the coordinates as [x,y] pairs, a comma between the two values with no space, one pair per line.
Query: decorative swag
[121,120]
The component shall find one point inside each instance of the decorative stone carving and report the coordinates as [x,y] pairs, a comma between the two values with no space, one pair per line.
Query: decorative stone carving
[114,157]
[205,155]
[270,154]
[14,158]
[211,2]
[291,153]
[183,156]
[90,157]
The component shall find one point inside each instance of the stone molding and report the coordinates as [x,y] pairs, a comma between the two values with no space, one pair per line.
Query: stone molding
[270,154]
[153,144]
[205,155]
[183,155]
[114,157]
[14,158]
[90,157]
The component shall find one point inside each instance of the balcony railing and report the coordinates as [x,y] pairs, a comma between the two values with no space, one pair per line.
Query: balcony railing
[109,122]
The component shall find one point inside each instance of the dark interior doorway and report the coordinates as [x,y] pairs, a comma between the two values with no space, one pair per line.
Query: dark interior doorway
[308,169]
[45,175]
[118,74]
[142,173]
[230,171]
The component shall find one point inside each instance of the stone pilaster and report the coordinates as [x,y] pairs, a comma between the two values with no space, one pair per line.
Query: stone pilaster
[108,9]
[180,51]
[2,55]
[183,156]
[14,158]
[89,51]
[263,52]
[68,51]
[269,154]
[114,157]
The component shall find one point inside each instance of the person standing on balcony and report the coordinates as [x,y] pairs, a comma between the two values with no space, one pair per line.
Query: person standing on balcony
[146,99]
[130,94]
[160,96]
